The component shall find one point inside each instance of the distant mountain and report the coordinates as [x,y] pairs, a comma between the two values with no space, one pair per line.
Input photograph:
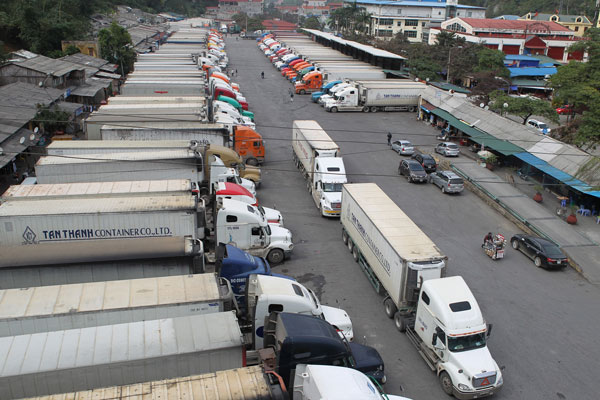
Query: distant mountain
[522,7]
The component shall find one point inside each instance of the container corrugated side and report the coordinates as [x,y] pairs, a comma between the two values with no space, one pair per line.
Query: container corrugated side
[50,308]
[234,384]
[122,354]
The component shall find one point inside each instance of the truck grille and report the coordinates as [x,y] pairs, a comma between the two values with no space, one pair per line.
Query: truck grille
[336,205]
[484,379]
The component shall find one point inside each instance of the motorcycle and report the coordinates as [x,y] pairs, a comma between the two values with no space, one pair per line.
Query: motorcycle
[495,248]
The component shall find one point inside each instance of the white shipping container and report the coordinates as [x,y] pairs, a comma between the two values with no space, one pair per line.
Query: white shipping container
[82,359]
[74,147]
[390,93]
[94,122]
[197,133]
[52,308]
[309,140]
[156,99]
[125,166]
[389,240]
[249,383]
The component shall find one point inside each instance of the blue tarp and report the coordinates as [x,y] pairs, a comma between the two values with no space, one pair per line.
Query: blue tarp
[532,71]
[557,174]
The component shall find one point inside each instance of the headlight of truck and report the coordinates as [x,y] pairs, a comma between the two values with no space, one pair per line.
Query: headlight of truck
[380,368]
[464,388]
[500,381]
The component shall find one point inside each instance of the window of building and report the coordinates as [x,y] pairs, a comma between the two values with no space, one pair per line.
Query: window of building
[410,34]
[411,22]
[385,33]
[456,27]
[469,14]
[423,24]
[386,21]
[576,29]
[399,11]
[554,18]
[399,23]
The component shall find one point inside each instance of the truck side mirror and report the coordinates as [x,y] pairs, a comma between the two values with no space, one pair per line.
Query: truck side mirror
[434,339]
[489,330]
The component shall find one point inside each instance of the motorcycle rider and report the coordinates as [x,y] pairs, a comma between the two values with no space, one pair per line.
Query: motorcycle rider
[488,238]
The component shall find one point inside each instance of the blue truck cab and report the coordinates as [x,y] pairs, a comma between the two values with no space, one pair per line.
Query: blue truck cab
[236,266]
[324,90]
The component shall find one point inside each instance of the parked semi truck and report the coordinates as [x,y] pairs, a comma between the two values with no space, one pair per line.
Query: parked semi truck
[121,354]
[228,156]
[373,96]
[401,262]
[318,157]
[305,339]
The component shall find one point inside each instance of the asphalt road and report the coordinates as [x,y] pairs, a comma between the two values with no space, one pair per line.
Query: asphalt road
[545,322]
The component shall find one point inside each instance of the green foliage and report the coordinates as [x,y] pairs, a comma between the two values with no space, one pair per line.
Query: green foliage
[491,60]
[3,54]
[523,107]
[252,23]
[116,47]
[349,20]
[51,120]
[312,23]
[578,84]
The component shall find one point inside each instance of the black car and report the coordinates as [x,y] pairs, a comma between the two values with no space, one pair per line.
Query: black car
[427,162]
[413,171]
[543,252]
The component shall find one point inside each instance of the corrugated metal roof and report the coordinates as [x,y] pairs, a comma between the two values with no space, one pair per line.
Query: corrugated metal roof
[312,132]
[66,206]
[400,231]
[111,157]
[367,49]
[12,146]
[80,348]
[425,3]
[91,87]
[50,66]
[86,60]
[52,301]
[97,189]
[156,99]
[516,25]
[532,71]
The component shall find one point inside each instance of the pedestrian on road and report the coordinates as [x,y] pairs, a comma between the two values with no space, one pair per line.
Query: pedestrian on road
[389,137]
[291,95]
[262,74]
[236,72]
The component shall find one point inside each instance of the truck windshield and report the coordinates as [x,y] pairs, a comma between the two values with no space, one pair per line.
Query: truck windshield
[332,187]
[465,343]
[267,230]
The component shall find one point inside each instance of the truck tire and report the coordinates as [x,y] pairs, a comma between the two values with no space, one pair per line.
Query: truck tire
[252,161]
[344,236]
[400,321]
[275,256]
[302,91]
[373,109]
[333,109]
[355,253]
[365,109]
[411,109]
[446,383]
[390,308]
[350,245]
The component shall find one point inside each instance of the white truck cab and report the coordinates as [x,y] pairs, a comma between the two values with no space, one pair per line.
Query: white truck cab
[328,177]
[220,173]
[317,382]
[229,190]
[244,226]
[345,98]
[452,334]
[328,97]
[273,293]
[222,118]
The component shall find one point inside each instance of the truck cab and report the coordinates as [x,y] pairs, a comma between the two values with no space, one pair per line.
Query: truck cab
[310,82]
[249,145]
[268,293]
[234,105]
[229,190]
[233,160]
[324,90]
[327,97]
[305,339]
[228,109]
[218,172]
[451,332]
[328,177]
[343,100]
[316,382]
[244,226]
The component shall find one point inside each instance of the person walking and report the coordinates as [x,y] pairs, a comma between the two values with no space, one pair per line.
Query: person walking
[291,95]
[262,74]
[389,137]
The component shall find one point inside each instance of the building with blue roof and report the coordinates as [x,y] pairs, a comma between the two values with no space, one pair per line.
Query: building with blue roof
[412,18]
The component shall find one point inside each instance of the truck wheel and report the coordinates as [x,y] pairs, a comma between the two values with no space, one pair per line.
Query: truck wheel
[333,109]
[390,308]
[411,109]
[344,236]
[365,109]
[302,91]
[350,245]
[400,321]
[275,256]
[252,161]
[373,109]
[446,383]
[355,253]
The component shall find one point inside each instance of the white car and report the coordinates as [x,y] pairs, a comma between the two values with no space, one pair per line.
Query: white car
[403,147]
[540,126]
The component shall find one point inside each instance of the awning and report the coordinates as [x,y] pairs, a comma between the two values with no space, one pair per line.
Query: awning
[504,147]
[557,174]
[12,146]
[398,73]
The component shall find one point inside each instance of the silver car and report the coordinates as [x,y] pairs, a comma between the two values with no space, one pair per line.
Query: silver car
[403,147]
[447,181]
[448,149]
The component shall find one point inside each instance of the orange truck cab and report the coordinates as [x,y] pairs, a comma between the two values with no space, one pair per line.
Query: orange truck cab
[311,82]
[249,144]
[301,65]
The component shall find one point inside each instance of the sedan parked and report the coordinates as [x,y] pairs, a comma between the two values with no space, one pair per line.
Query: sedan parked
[543,252]
[403,147]
[447,181]
[448,149]
[413,171]
[426,161]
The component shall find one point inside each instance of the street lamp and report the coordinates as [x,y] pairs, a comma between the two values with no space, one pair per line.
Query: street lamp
[448,68]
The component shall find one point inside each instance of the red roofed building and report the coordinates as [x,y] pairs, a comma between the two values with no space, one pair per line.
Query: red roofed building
[515,37]
[279,25]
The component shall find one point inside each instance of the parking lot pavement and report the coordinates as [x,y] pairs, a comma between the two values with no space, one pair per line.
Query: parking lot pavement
[545,322]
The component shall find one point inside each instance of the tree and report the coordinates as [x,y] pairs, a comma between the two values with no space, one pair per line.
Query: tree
[493,61]
[523,107]
[312,23]
[3,54]
[485,83]
[51,119]
[578,85]
[116,47]
[350,20]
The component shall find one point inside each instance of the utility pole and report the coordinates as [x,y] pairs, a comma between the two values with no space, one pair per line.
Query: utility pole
[596,13]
